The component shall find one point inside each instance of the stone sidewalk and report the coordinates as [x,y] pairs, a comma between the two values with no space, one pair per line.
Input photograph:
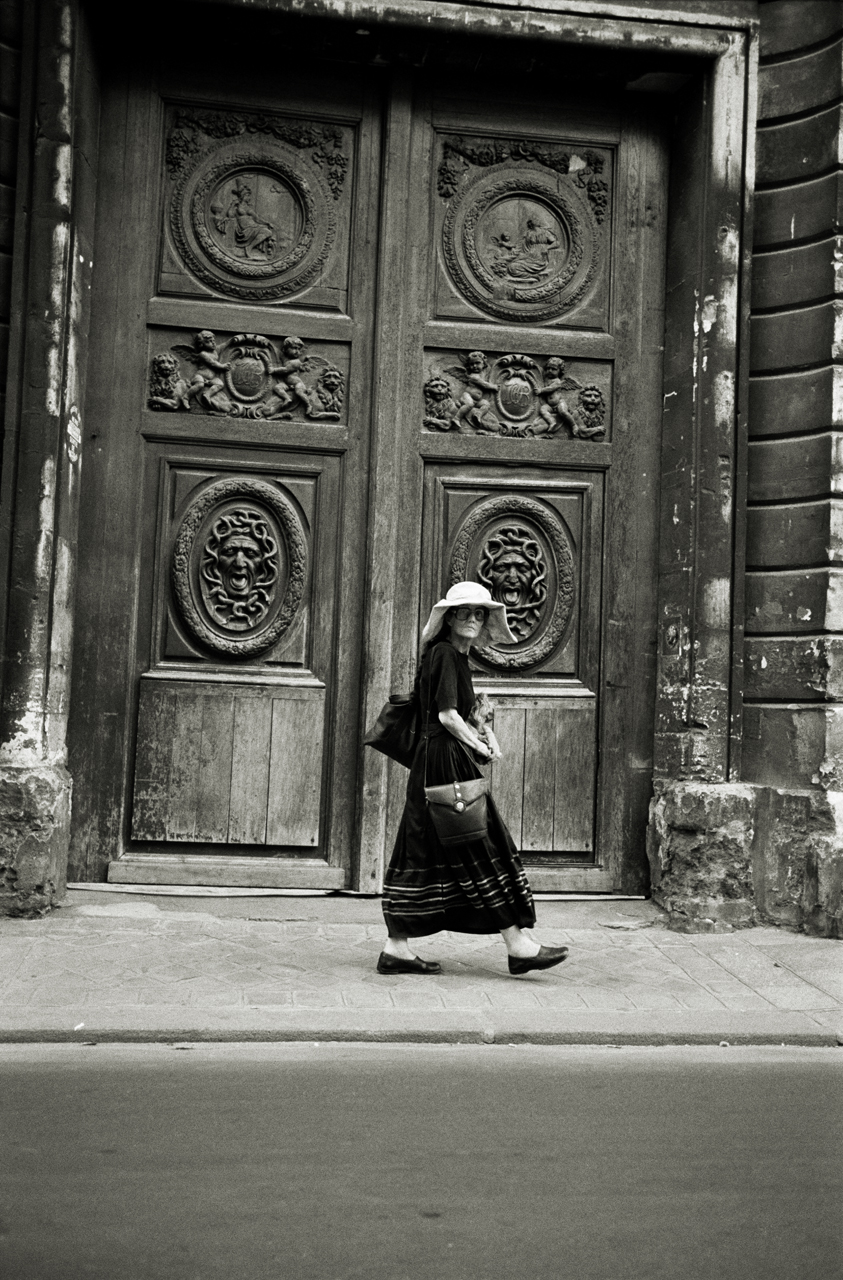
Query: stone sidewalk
[113,966]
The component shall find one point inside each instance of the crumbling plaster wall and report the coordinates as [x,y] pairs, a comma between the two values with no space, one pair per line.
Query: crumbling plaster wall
[53,259]
[771,848]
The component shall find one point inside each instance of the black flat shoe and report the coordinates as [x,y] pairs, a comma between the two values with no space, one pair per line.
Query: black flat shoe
[546,959]
[391,964]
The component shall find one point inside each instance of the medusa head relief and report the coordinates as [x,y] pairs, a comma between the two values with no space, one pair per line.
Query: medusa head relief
[239,571]
[239,566]
[518,546]
[513,568]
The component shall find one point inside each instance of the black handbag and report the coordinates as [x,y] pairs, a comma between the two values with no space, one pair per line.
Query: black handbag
[396,730]
[457,809]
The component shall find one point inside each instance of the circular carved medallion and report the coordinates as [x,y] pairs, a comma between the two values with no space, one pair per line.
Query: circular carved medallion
[239,566]
[519,549]
[253,223]
[520,243]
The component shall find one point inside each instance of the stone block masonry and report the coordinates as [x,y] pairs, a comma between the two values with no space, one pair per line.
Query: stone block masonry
[770,848]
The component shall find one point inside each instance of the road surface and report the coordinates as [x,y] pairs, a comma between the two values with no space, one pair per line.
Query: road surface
[338,1162]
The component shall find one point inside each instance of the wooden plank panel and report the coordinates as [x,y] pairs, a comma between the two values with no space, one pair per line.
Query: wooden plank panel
[248,872]
[152,763]
[214,783]
[184,773]
[295,771]
[508,776]
[250,770]
[573,810]
[539,779]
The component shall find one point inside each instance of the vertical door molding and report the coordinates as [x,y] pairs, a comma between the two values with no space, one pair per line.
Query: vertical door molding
[392,389]
[703,490]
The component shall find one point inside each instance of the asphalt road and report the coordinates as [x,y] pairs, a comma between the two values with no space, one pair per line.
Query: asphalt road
[333,1162]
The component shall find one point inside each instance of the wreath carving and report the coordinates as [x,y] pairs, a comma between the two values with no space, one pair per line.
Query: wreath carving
[482,286]
[265,280]
[263,612]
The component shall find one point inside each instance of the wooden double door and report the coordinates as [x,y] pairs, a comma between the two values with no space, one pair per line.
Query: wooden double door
[358,333]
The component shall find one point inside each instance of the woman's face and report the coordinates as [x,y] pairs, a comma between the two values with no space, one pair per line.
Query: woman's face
[467,622]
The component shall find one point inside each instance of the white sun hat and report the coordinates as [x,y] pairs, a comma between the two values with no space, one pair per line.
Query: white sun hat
[464,594]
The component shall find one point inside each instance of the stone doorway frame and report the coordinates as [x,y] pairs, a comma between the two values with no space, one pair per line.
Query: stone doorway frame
[701,562]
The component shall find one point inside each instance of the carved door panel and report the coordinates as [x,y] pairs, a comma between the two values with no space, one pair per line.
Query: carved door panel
[361,333]
[534,369]
[217,665]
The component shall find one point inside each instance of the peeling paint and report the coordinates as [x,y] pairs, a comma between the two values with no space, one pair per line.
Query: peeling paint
[708,315]
[724,404]
[44,550]
[717,599]
[55,318]
[837,341]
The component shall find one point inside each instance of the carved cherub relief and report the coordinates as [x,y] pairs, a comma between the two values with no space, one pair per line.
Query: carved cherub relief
[554,411]
[206,386]
[290,389]
[475,407]
[247,378]
[512,396]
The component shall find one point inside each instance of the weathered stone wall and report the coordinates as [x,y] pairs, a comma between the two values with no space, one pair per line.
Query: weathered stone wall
[41,452]
[11,34]
[723,857]
[793,714]
[727,856]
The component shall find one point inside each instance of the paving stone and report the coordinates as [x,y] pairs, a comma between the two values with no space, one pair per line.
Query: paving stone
[158,968]
[595,998]
[318,999]
[798,998]
[417,998]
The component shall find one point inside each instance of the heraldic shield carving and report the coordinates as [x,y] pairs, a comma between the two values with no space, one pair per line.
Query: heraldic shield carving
[239,566]
[252,201]
[518,547]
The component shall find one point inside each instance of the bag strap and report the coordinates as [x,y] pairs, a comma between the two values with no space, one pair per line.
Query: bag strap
[427,712]
[427,717]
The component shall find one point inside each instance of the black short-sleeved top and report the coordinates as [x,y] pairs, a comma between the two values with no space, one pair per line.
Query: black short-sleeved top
[445,683]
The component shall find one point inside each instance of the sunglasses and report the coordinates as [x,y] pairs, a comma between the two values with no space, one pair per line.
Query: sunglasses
[463,615]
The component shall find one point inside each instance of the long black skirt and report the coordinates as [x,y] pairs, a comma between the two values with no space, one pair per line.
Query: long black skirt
[476,887]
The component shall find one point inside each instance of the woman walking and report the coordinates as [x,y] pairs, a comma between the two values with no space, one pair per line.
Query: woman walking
[474,887]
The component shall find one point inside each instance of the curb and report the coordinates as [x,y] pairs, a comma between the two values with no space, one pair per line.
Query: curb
[123,1026]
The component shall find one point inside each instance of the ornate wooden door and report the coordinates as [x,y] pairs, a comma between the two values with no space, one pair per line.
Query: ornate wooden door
[533,364]
[218,660]
[360,334]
